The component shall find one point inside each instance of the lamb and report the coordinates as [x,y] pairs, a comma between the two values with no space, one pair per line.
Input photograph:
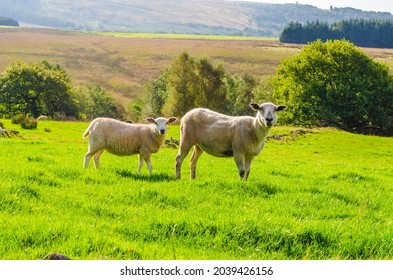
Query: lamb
[220,135]
[125,139]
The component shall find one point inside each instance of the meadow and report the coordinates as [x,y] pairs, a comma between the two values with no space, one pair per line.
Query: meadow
[325,194]
[321,195]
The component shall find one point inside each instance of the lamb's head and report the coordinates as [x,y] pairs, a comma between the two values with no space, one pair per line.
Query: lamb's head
[161,124]
[267,112]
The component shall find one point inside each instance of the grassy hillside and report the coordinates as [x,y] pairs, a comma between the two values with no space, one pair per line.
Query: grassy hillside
[321,195]
[123,63]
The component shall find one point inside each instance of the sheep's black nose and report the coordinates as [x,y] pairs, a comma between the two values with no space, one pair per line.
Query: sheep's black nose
[269,120]
[162,131]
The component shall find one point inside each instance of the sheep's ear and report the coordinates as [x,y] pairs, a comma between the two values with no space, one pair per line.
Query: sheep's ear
[151,120]
[171,120]
[281,108]
[254,106]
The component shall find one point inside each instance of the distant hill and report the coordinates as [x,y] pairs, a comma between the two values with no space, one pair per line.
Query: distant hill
[219,17]
[8,22]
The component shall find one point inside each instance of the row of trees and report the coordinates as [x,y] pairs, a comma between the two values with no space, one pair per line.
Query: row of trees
[329,83]
[43,89]
[361,32]
[196,82]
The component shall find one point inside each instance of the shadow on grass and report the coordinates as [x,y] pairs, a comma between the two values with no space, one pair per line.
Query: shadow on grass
[157,177]
[252,189]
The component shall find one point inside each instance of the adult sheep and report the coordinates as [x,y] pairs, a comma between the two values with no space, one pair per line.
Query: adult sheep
[220,135]
[124,139]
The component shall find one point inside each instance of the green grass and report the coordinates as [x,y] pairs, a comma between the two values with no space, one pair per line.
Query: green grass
[324,195]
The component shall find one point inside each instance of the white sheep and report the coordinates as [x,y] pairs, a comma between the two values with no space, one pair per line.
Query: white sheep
[42,118]
[124,139]
[225,136]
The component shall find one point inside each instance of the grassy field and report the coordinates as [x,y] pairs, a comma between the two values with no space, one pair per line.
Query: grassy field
[323,195]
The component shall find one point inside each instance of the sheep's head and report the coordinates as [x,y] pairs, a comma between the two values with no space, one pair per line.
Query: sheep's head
[267,112]
[161,124]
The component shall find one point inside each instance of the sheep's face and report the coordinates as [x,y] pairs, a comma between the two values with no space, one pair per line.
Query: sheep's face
[161,124]
[267,112]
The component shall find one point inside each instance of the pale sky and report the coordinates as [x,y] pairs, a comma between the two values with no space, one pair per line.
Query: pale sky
[369,5]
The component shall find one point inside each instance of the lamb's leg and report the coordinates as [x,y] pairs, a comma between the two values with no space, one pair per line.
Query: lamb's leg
[194,158]
[140,163]
[240,162]
[97,158]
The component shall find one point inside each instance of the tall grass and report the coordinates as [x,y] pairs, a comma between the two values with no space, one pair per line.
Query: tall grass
[323,195]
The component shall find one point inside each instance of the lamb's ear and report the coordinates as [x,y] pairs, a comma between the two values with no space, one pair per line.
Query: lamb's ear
[254,106]
[281,108]
[151,120]
[171,119]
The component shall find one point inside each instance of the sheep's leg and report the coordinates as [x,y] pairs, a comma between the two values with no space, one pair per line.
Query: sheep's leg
[88,155]
[240,162]
[148,162]
[145,158]
[87,159]
[247,167]
[97,158]
[184,149]
[194,158]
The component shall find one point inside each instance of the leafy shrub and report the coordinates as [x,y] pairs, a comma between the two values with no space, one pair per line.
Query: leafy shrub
[24,121]
[36,89]
[336,84]
[18,119]
[94,101]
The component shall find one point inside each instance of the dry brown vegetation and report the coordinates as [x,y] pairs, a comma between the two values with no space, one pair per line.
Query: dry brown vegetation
[124,65]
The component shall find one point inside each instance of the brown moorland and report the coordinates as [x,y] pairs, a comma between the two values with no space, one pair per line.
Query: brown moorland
[123,65]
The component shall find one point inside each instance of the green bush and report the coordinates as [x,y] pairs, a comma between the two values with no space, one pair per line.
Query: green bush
[336,84]
[36,89]
[24,121]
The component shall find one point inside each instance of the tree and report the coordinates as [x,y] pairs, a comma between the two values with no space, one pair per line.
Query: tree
[158,93]
[336,84]
[36,89]
[101,104]
[196,83]
[210,85]
[181,84]
[241,94]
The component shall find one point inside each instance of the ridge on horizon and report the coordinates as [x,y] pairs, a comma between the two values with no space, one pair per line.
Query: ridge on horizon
[206,17]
